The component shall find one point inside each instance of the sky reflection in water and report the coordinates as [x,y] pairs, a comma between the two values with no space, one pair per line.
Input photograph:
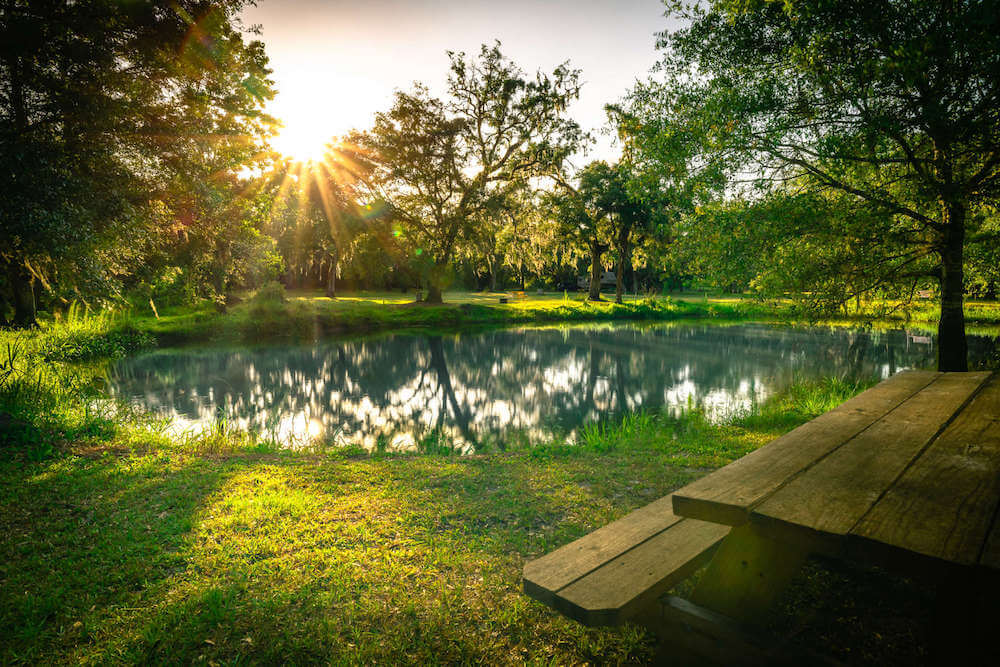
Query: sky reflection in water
[476,388]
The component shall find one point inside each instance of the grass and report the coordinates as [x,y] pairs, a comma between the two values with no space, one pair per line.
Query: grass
[123,544]
[306,315]
[122,549]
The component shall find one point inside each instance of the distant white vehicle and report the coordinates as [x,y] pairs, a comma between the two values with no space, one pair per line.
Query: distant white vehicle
[607,278]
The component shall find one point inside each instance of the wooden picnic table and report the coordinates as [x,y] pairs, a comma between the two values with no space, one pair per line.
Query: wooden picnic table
[905,476]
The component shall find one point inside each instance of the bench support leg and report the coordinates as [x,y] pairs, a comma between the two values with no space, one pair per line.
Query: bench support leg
[747,574]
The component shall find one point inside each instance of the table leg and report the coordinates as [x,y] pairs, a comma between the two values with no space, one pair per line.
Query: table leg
[747,574]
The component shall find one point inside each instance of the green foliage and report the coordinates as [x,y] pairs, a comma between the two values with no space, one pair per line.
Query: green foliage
[43,406]
[439,162]
[880,110]
[83,336]
[272,292]
[116,149]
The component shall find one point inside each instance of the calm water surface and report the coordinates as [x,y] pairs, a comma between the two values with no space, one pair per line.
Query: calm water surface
[475,388]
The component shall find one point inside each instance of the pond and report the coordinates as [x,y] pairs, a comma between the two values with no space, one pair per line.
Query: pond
[471,389]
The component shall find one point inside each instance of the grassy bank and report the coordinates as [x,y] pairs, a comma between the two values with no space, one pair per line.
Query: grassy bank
[123,544]
[303,315]
[123,548]
[306,315]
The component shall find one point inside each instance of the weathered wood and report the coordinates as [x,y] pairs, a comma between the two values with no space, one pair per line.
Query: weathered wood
[943,505]
[625,587]
[712,637]
[716,639]
[823,503]
[746,575]
[545,576]
[726,495]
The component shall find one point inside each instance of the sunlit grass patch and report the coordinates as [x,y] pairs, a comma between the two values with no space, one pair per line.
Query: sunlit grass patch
[291,559]
[162,552]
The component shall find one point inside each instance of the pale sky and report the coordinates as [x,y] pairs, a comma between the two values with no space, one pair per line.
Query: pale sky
[337,62]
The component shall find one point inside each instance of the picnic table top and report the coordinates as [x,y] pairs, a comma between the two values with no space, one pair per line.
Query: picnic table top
[907,472]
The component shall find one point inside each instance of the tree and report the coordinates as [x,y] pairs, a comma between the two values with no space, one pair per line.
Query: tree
[437,161]
[890,103]
[109,113]
[583,212]
[631,218]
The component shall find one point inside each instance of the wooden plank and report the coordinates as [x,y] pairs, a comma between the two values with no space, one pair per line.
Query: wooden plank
[829,498]
[630,584]
[747,574]
[545,576]
[944,503]
[726,495]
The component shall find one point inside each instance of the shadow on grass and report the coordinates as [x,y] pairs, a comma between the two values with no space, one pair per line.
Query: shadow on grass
[286,559]
[295,559]
[85,537]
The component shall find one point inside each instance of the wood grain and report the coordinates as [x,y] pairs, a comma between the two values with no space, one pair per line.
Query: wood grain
[627,585]
[547,575]
[944,503]
[827,500]
[727,495]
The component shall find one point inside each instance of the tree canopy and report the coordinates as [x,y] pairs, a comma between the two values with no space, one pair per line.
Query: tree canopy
[439,161]
[119,122]
[889,104]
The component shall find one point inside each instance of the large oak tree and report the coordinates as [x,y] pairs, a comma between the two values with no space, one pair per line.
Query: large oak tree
[439,161]
[891,103]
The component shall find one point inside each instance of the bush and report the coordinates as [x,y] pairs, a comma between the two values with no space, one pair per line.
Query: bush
[272,292]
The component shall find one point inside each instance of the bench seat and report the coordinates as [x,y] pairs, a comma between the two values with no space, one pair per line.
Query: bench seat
[618,572]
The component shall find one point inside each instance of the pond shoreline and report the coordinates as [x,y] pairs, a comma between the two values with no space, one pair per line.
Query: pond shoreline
[313,318]
[306,316]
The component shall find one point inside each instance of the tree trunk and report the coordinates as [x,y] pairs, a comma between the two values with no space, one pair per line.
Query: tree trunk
[23,296]
[952,350]
[331,280]
[493,272]
[629,273]
[436,278]
[619,281]
[434,294]
[596,250]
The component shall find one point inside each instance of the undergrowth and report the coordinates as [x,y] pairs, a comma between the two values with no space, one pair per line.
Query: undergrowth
[80,335]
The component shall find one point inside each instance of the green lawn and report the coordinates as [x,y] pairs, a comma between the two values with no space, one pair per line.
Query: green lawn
[122,545]
[124,548]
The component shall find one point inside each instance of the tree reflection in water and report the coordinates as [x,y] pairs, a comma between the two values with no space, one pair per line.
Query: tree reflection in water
[479,388]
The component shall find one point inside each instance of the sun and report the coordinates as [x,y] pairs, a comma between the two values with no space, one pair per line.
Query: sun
[303,138]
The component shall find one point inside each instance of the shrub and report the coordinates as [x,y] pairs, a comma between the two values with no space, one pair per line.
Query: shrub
[272,292]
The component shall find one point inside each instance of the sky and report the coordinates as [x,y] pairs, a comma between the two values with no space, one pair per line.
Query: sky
[337,62]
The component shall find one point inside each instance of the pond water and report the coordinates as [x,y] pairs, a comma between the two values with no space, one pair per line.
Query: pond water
[396,391]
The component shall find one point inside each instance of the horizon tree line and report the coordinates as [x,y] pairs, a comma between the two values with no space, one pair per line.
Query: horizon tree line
[837,152]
